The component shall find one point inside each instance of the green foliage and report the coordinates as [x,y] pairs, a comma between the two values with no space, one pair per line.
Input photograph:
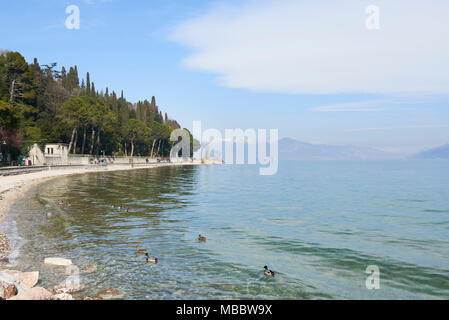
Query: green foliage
[39,104]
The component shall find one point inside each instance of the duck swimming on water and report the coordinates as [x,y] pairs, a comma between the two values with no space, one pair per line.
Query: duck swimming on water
[201,238]
[141,250]
[268,272]
[151,259]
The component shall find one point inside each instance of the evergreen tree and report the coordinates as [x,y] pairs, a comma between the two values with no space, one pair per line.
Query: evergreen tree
[88,84]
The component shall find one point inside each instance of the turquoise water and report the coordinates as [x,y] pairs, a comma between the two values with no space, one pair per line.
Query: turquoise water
[317,224]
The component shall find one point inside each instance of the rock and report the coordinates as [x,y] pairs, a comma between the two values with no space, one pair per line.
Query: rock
[92,298]
[68,287]
[36,293]
[7,290]
[5,277]
[58,262]
[29,279]
[110,294]
[62,296]
[89,269]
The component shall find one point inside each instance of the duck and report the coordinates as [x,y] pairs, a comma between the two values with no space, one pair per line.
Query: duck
[151,259]
[201,238]
[268,272]
[144,251]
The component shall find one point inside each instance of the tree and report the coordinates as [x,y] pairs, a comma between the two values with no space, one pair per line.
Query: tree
[9,123]
[159,133]
[41,104]
[136,131]
[75,112]
[13,67]
[88,84]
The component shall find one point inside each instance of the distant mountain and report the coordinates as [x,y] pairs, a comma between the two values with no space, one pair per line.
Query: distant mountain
[435,153]
[291,149]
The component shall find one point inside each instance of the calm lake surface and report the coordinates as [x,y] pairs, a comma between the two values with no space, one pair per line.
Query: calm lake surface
[318,224]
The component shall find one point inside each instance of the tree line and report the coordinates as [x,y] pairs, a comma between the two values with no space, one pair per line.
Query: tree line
[41,104]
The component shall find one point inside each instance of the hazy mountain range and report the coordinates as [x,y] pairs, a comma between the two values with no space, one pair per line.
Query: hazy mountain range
[291,149]
[435,153]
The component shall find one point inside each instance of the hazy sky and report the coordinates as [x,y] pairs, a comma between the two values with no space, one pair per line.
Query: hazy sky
[312,69]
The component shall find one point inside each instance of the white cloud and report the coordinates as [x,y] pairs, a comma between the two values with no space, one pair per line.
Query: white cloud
[322,46]
[363,106]
[381,104]
[428,126]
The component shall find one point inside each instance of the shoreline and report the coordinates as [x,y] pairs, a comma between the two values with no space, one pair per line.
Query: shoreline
[15,187]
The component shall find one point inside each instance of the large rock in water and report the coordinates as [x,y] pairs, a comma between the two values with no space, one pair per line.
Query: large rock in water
[36,293]
[29,279]
[7,290]
[58,262]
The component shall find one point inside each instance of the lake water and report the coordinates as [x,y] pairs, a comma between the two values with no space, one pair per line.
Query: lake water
[317,224]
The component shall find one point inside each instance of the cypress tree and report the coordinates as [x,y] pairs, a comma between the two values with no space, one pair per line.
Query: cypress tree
[64,77]
[88,84]
[76,79]
[153,104]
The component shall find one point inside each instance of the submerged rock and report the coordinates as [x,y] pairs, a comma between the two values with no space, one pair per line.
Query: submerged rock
[58,262]
[110,294]
[62,296]
[89,269]
[92,298]
[36,293]
[68,287]
[29,279]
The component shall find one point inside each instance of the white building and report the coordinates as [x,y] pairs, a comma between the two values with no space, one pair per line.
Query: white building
[54,154]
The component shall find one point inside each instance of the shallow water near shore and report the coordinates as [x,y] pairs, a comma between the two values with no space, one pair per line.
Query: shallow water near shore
[318,224]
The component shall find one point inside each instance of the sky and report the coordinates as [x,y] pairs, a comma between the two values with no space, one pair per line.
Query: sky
[320,71]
